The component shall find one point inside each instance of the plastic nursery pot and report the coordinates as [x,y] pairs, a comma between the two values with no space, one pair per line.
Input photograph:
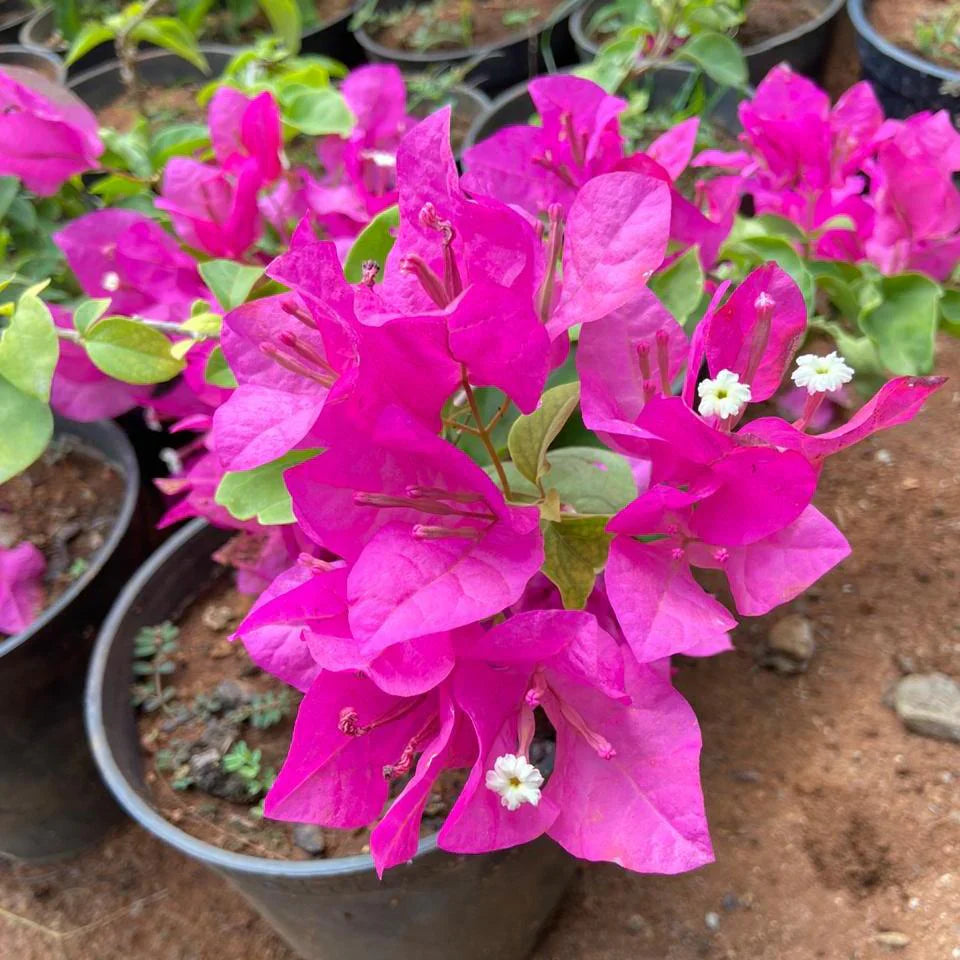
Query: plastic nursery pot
[13,55]
[13,15]
[468,105]
[904,82]
[498,65]
[40,32]
[489,907]
[514,106]
[334,38]
[101,86]
[52,801]
[804,47]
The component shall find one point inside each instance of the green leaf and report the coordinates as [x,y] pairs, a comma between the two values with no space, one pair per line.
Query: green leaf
[172,35]
[838,280]
[178,140]
[117,186]
[230,282]
[127,149]
[261,492]
[717,56]
[592,480]
[130,351]
[838,222]
[285,21]
[9,188]
[374,243]
[950,311]
[29,348]
[775,226]
[530,436]
[575,551]
[318,113]
[217,372]
[680,286]
[89,312]
[903,324]
[90,36]
[26,426]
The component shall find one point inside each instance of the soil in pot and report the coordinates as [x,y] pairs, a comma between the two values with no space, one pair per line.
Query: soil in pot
[456,24]
[65,504]
[166,105]
[767,19]
[214,728]
[914,24]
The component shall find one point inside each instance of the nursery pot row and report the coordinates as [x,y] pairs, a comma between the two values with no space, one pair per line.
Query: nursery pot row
[52,801]
[492,906]
[13,55]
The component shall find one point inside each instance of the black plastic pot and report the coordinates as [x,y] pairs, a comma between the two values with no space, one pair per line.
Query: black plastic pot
[904,83]
[468,105]
[13,55]
[438,906]
[514,106]
[40,33]
[804,48]
[334,39]
[52,801]
[99,87]
[499,65]
[13,15]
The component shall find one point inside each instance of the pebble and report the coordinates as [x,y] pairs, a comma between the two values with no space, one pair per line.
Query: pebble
[309,837]
[790,645]
[217,617]
[231,694]
[712,920]
[892,938]
[637,923]
[929,704]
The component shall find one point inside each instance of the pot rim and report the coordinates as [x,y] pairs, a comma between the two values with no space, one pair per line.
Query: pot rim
[134,803]
[857,10]
[51,58]
[127,465]
[833,7]
[113,65]
[395,55]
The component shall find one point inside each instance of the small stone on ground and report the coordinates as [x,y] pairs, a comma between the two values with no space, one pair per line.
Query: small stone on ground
[929,704]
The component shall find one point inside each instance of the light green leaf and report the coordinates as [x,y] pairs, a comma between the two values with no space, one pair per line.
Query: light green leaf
[117,186]
[172,35]
[575,551]
[130,351]
[774,226]
[217,372]
[318,113]
[26,426]
[91,35]
[530,436]
[680,286]
[839,222]
[903,324]
[230,282]
[717,56]
[261,492]
[128,149]
[374,243]
[950,311]
[285,21]
[838,280]
[177,140]
[29,348]
[89,312]
[592,480]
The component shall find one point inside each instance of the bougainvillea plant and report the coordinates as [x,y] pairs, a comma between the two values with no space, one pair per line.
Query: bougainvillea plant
[483,460]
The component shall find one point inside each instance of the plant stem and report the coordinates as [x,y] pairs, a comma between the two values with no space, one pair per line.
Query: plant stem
[484,433]
[127,56]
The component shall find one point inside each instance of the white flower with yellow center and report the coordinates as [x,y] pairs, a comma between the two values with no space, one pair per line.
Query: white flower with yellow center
[110,281]
[516,780]
[723,396]
[821,374]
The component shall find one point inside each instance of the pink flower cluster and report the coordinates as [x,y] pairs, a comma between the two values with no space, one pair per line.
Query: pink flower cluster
[893,180]
[421,625]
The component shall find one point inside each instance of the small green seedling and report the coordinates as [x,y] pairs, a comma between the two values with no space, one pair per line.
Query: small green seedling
[153,650]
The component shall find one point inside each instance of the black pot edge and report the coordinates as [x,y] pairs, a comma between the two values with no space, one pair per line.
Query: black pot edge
[583,42]
[856,10]
[131,475]
[425,60]
[134,804]
[112,66]
[55,62]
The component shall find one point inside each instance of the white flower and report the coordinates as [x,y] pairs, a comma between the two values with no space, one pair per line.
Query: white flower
[110,281]
[516,780]
[724,396]
[821,374]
